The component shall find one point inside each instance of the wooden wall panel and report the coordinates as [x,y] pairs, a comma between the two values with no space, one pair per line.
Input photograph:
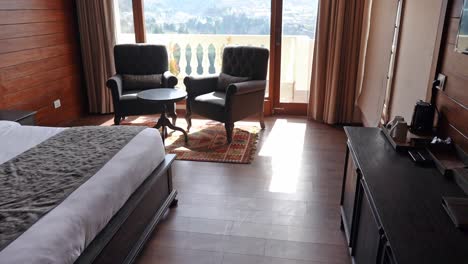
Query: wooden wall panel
[25,43]
[34,29]
[8,17]
[452,102]
[25,56]
[26,69]
[455,66]
[34,4]
[32,81]
[454,133]
[455,113]
[40,59]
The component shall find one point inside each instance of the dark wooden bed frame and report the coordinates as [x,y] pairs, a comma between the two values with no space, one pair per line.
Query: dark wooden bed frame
[127,232]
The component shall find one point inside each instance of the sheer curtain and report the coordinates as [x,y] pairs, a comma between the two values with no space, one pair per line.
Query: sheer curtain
[97,35]
[336,60]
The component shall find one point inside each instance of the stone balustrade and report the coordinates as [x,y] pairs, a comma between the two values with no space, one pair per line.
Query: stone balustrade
[200,54]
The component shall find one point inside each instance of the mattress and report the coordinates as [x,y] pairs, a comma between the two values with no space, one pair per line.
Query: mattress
[62,235]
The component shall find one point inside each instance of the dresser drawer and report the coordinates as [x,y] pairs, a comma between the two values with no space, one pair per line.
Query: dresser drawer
[351,180]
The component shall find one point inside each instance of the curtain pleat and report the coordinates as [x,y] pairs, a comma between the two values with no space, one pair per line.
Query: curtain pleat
[97,35]
[336,60]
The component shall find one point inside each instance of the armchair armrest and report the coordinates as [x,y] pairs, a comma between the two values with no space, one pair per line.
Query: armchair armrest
[114,83]
[246,87]
[200,85]
[169,80]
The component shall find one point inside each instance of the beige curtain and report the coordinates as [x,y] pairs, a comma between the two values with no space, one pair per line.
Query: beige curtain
[97,34]
[336,60]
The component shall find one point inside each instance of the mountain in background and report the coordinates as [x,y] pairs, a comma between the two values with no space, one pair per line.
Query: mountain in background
[250,17]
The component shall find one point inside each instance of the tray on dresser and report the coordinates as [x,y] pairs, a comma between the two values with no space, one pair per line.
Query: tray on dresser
[412,140]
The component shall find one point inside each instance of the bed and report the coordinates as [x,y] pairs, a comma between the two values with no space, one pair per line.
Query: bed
[106,219]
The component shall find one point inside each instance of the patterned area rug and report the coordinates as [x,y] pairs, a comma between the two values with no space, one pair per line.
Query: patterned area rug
[207,142]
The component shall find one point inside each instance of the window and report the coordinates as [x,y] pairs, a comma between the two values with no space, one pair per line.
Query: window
[297,49]
[124,27]
[195,33]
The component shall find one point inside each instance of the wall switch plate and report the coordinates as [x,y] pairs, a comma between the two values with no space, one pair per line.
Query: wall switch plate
[57,103]
[442,79]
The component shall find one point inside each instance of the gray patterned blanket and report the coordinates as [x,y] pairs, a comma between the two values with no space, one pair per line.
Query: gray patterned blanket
[39,179]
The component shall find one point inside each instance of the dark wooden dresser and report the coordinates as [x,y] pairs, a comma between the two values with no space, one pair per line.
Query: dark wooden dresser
[391,209]
[26,118]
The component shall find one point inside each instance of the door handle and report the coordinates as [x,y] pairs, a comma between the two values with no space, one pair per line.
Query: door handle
[278,34]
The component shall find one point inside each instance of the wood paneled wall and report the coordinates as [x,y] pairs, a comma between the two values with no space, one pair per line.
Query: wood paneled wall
[40,59]
[453,101]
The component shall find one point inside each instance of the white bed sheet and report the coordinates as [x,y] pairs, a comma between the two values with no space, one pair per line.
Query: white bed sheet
[61,235]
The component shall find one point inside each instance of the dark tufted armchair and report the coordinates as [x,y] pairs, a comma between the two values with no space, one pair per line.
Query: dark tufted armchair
[238,92]
[139,67]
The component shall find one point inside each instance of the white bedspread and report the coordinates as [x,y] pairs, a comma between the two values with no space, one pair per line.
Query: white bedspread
[62,234]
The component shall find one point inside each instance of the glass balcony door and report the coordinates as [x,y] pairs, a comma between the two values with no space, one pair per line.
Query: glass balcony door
[297,47]
[295,26]
[195,33]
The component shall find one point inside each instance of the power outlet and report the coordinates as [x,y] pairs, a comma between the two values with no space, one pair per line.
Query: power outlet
[442,79]
[57,103]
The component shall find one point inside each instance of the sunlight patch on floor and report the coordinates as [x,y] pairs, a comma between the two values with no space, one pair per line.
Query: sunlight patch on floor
[143,119]
[285,145]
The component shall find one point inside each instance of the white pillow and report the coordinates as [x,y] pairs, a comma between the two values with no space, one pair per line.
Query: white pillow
[8,124]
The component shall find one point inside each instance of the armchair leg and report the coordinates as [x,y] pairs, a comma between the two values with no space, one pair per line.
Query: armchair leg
[117,120]
[188,118]
[262,119]
[229,129]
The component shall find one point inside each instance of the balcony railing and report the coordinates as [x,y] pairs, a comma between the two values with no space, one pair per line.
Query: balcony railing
[197,54]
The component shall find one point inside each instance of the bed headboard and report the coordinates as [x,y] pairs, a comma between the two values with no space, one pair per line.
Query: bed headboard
[452,101]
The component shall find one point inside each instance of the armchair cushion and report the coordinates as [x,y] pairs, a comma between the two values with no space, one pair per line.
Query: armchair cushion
[224,80]
[141,82]
[130,95]
[211,105]
[216,98]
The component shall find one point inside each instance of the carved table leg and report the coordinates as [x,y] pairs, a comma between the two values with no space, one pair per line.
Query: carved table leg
[171,126]
[164,122]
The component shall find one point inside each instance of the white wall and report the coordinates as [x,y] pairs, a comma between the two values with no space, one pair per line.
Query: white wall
[417,54]
[377,59]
